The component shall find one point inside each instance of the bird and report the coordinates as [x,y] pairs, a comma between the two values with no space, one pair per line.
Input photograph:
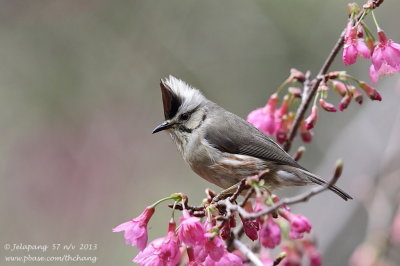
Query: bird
[223,148]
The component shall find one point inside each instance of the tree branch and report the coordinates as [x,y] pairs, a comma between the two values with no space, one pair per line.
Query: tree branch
[247,252]
[286,201]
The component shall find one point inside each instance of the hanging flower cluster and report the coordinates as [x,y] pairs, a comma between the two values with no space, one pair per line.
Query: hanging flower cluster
[201,241]
[277,120]
[359,40]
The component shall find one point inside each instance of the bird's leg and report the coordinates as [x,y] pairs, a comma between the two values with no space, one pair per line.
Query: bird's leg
[226,193]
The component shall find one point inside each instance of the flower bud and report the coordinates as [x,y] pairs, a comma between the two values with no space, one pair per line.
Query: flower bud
[327,106]
[357,96]
[312,118]
[344,103]
[372,93]
[339,87]
[296,92]
[299,153]
[353,8]
[251,228]
[296,75]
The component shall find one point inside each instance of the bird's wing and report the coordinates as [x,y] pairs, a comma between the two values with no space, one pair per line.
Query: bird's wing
[230,133]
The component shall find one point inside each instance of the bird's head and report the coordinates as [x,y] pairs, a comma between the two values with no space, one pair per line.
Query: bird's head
[184,107]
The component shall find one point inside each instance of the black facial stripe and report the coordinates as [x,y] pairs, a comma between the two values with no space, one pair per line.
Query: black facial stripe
[175,103]
[190,130]
[185,129]
[189,113]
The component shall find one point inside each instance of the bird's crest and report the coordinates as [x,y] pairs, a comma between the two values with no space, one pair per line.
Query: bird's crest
[178,95]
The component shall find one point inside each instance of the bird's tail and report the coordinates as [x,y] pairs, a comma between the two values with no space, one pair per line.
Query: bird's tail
[318,180]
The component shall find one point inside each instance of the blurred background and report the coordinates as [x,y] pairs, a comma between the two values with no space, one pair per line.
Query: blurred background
[79,87]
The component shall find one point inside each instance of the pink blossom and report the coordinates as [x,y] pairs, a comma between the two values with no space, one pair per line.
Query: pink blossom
[364,255]
[194,263]
[353,46]
[270,233]
[263,118]
[312,118]
[312,253]
[298,224]
[161,251]
[265,257]
[190,231]
[251,228]
[136,229]
[395,232]
[372,93]
[327,106]
[292,258]
[215,247]
[385,58]
[227,259]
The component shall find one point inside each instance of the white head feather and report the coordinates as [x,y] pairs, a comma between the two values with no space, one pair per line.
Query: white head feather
[190,96]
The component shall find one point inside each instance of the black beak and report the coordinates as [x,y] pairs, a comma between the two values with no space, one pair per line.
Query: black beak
[163,126]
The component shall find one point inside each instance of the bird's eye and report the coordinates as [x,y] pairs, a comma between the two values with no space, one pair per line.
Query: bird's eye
[184,116]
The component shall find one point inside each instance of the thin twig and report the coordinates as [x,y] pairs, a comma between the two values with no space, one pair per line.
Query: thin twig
[247,197]
[247,252]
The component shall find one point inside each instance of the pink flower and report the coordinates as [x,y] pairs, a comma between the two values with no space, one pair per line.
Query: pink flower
[161,251]
[353,46]
[372,93]
[327,106]
[385,58]
[265,257]
[263,118]
[312,253]
[190,231]
[215,247]
[293,256]
[227,259]
[270,233]
[364,254]
[395,231]
[298,224]
[136,229]
[251,228]
[312,118]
